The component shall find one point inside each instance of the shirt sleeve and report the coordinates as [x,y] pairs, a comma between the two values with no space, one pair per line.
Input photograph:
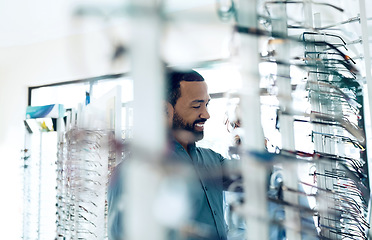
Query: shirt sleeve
[114,201]
[230,172]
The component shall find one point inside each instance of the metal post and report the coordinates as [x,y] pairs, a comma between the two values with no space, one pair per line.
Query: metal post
[142,179]
[290,176]
[26,185]
[311,21]
[39,181]
[254,172]
[367,66]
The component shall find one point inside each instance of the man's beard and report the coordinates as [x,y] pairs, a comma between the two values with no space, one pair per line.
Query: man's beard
[180,124]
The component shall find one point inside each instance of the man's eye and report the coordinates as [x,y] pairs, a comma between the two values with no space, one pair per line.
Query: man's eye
[195,106]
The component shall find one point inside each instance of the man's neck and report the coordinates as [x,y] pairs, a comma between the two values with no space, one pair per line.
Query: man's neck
[183,143]
[184,138]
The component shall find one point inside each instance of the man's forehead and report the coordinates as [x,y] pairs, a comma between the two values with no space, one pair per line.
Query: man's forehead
[194,89]
[194,84]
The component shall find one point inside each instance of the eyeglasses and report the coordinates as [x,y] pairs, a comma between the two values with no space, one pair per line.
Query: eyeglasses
[338,79]
[316,55]
[330,120]
[346,98]
[348,71]
[267,10]
[355,164]
[350,190]
[339,137]
[343,231]
[342,44]
[322,158]
[339,196]
[348,167]
[333,47]
[226,9]
[259,32]
[342,194]
[231,125]
[331,91]
[328,89]
[350,209]
[301,2]
[350,20]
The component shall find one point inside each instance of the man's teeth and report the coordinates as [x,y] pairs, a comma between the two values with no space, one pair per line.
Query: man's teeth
[199,124]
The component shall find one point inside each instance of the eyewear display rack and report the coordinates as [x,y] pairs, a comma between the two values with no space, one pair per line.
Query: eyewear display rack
[66,172]
[332,110]
[39,186]
[87,153]
[82,176]
[334,86]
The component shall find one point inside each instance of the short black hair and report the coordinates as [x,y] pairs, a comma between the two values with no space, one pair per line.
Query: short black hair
[174,78]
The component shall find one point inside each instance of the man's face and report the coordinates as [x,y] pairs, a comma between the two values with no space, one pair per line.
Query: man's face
[190,112]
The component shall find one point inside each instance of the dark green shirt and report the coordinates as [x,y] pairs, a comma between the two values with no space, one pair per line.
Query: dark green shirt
[206,197]
[207,200]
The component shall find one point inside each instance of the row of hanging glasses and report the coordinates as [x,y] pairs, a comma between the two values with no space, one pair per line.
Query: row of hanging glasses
[327,114]
[82,176]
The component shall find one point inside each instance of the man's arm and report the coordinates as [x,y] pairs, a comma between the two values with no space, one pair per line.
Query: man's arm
[114,201]
[231,170]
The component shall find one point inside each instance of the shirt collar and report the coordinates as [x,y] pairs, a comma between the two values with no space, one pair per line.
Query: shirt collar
[178,146]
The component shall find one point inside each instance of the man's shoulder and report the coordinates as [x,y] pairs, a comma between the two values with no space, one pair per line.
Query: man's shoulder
[208,151]
[204,149]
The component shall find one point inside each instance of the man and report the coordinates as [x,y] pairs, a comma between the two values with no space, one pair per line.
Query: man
[186,102]
[187,109]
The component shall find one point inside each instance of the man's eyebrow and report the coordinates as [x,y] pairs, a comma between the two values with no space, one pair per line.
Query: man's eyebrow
[200,101]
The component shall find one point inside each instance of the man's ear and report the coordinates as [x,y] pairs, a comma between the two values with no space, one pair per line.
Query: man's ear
[169,110]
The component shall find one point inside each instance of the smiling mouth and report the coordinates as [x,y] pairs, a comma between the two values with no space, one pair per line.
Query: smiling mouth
[199,126]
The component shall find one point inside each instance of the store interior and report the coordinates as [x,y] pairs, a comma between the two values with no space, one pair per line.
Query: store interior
[296,73]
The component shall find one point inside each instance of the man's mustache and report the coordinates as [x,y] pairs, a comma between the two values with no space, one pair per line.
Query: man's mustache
[202,120]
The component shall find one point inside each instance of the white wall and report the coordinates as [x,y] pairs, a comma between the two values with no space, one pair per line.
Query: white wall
[57,60]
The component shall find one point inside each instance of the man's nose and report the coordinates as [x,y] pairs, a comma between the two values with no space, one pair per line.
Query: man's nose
[205,114]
